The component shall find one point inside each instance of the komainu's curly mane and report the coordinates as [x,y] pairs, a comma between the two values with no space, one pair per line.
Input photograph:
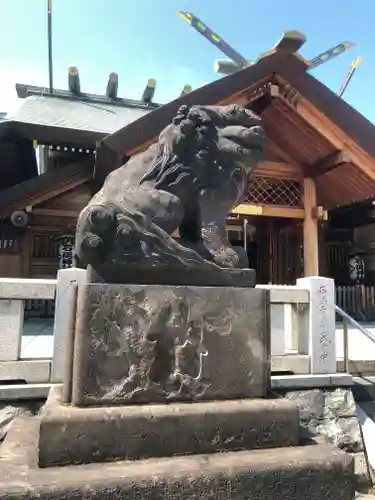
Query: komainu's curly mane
[185,154]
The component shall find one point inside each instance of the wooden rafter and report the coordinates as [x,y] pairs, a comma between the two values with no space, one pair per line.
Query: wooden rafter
[330,162]
[362,160]
[279,170]
[272,147]
[326,128]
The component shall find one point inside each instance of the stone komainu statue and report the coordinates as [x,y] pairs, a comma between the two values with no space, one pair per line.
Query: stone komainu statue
[188,181]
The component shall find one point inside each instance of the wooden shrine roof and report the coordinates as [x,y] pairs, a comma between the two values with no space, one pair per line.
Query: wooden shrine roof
[308,126]
[55,120]
[43,187]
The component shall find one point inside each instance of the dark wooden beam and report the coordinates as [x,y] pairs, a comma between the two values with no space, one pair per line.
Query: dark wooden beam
[328,163]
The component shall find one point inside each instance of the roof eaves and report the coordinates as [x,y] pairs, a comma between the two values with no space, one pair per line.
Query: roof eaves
[16,197]
[338,111]
[51,135]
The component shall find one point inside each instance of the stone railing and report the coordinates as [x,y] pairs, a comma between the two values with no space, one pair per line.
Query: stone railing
[303,321]
[302,318]
[13,294]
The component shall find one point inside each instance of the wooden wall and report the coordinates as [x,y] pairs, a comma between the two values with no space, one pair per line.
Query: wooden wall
[10,253]
[48,221]
[275,251]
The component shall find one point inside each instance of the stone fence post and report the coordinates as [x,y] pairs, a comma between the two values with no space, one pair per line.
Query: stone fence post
[66,278]
[317,332]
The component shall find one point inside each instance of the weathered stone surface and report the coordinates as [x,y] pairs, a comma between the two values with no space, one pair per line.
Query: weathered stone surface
[21,409]
[339,403]
[362,478]
[329,414]
[157,343]
[312,472]
[343,433]
[85,435]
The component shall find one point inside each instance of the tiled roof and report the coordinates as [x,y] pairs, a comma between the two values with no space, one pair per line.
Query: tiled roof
[74,114]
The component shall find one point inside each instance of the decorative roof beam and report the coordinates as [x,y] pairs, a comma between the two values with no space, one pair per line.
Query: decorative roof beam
[149,91]
[112,86]
[24,91]
[73,80]
[186,90]
[225,67]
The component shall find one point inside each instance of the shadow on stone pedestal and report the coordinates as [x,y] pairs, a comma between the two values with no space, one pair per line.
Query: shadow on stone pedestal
[100,434]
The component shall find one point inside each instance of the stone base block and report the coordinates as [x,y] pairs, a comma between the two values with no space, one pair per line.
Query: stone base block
[30,371]
[149,344]
[316,472]
[71,435]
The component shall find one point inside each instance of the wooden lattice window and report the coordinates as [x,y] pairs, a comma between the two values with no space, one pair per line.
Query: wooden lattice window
[45,247]
[269,191]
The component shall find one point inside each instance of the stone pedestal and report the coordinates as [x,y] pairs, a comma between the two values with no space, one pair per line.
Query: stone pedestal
[102,434]
[168,399]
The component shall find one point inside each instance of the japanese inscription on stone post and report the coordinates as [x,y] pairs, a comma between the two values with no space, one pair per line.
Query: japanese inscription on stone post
[324,341]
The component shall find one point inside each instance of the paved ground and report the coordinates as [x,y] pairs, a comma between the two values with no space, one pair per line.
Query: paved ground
[360,347]
[37,339]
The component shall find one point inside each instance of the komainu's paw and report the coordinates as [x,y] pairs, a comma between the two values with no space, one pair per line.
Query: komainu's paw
[102,219]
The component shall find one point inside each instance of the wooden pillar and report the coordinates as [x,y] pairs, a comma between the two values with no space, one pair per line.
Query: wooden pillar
[26,253]
[310,229]
[271,251]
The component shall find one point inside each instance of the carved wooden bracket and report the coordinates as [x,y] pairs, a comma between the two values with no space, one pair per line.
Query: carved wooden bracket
[290,94]
[265,89]
[260,97]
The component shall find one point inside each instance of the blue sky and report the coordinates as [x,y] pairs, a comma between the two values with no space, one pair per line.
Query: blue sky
[143,38]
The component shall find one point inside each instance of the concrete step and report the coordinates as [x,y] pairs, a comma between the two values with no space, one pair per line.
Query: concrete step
[314,472]
[86,435]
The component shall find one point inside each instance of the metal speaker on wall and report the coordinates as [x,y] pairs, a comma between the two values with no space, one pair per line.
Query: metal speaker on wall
[19,218]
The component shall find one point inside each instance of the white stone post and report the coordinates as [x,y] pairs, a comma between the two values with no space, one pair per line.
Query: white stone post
[317,335]
[291,327]
[278,334]
[11,328]
[281,318]
[66,278]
